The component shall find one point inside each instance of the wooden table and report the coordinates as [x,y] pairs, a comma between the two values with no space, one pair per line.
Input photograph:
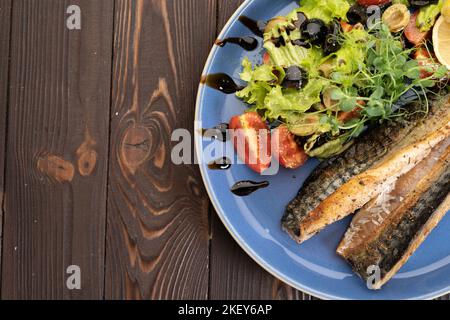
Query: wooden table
[86,177]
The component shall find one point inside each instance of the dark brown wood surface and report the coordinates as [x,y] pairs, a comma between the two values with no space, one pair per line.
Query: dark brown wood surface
[5,23]
[57,149]
[86,118]
[157,237]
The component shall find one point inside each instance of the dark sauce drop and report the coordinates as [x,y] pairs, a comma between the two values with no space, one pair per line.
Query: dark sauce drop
[220,164]
[247,43]
[221,82]
[246,188]
[257,27]
[219,132]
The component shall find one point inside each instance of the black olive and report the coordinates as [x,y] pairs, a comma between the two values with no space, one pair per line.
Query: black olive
[315,31]
[279,42]
[301,19]
[331,44]
[296,78]
[301,43]
[357,14]
[422,3]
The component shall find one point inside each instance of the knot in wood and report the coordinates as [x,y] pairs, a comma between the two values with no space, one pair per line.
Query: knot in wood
[135,147]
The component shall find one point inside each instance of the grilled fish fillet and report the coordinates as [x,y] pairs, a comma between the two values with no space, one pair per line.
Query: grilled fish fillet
[387,231]
[344,184]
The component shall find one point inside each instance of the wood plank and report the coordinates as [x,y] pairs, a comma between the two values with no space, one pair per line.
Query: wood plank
[157,236]
[5,24]
[234,275]
[55,195]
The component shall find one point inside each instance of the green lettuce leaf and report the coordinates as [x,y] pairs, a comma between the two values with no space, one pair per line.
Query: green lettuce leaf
[428,15]
[259,81]
[350,58]
[325,10]
[284,103]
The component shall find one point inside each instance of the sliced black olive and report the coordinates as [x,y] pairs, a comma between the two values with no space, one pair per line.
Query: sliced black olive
[301,43]
[315,31]
[422,3]
[357,14]
[296,78]
[331,44]
[279,42]
[301,19]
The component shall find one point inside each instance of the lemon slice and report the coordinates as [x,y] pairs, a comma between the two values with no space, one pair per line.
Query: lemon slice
[441,41]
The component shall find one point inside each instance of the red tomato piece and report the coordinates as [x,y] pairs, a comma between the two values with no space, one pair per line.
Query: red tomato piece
[344,117]
[286,150]
[346,27]
[251,138]
[266,58]
[424,59]
[413,34]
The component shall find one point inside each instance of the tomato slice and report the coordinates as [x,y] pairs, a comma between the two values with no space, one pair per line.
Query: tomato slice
[251,138]
[424,59]
[344,117]
[346,27]
[266,58]
[413,34]
[286,150]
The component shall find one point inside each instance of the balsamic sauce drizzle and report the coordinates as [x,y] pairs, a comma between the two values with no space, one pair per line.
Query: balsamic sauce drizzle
[247,43]
[257,27]
[221,82]
[220,164]
[225,84]
[246,188]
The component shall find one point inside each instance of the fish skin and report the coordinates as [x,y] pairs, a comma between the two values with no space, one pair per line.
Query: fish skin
[333,173]
[388,207]
[303,215]
[361,189]
[390,247]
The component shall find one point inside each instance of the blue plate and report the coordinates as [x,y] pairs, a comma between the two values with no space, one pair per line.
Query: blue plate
[254,221]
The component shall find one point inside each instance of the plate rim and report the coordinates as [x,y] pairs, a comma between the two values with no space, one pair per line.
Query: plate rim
[217,206]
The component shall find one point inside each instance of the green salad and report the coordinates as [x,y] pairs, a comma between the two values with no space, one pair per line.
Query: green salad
[327,76]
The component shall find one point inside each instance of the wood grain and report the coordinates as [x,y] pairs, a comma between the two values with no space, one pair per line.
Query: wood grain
[157,236]
[234,275]
[55,209]
[5,24]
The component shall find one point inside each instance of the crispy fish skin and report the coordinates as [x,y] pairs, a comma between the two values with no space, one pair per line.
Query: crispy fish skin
[388,246]
[333,173]
[361,189]
[343,185]
[389,206]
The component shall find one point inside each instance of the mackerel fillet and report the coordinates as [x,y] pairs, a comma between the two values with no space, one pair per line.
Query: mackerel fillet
[344,184]
[387,230]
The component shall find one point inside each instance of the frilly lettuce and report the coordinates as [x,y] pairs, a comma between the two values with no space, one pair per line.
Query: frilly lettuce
[350,58]
[264,91]
[281,103]
[326,10]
